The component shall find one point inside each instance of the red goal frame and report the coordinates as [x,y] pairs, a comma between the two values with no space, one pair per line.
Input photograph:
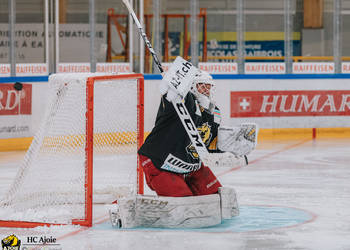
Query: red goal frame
[91,81]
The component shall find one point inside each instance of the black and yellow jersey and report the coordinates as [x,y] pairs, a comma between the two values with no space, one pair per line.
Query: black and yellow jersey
[168,145]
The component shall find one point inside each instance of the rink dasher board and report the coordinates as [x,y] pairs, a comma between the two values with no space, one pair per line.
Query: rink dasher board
[19,126]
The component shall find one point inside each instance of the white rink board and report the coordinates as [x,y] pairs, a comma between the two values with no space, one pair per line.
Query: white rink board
[223,89]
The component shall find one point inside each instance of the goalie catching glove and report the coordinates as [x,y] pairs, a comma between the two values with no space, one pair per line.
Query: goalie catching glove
[238,140]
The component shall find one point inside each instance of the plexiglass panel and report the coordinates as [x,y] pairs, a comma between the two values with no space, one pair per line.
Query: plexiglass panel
[4,25]
[264,30]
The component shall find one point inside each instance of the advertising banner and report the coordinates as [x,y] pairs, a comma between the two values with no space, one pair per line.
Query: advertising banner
[15,111]
[74,42]
[100,67]
[290,103]
[313,68]
[256,44]
[219,68]
[265,68]
[25,69]
[15,102]
[345,67]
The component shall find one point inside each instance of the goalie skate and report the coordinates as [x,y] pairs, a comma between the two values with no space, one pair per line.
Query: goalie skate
[114,216]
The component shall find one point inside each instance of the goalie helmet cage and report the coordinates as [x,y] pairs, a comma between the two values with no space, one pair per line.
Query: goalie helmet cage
[54,185]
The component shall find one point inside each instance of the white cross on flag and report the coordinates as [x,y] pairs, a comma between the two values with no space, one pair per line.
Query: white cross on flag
[244,104]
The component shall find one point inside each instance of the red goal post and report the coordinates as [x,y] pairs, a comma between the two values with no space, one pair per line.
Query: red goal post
[89,135]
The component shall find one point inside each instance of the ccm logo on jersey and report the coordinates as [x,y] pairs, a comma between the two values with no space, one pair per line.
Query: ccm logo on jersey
[189,125]
[176,165]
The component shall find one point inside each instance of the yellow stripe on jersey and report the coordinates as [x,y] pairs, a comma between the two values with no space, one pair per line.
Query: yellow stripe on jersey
[213,144]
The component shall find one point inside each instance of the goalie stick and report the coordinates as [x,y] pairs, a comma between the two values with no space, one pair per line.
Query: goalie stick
[180,107]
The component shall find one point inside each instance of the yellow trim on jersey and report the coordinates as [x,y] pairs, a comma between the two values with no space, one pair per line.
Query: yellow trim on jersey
[213,144]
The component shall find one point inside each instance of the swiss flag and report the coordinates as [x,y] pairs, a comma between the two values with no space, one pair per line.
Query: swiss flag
[244,104]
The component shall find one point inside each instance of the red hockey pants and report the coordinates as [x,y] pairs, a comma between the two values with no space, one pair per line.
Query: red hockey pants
[165,183]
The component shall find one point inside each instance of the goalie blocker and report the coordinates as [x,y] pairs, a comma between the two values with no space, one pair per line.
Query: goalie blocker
[175,212]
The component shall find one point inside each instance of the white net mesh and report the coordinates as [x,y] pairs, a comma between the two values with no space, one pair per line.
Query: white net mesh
[50,185]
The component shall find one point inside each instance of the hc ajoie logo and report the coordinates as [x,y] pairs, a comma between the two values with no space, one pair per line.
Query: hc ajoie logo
[41,240]
[11,243]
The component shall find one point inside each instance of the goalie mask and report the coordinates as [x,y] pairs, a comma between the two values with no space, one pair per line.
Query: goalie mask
[203,88]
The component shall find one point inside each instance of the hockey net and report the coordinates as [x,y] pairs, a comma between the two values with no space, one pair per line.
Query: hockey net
[85,151]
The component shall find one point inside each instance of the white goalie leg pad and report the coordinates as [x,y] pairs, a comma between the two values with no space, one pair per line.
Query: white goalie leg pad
[229,204]
[167,212]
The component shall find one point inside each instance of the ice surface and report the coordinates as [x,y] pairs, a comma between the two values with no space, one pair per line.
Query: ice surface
[293,195]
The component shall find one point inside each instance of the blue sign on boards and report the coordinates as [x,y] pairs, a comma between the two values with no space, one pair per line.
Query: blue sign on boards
[252,49]
[220,45]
